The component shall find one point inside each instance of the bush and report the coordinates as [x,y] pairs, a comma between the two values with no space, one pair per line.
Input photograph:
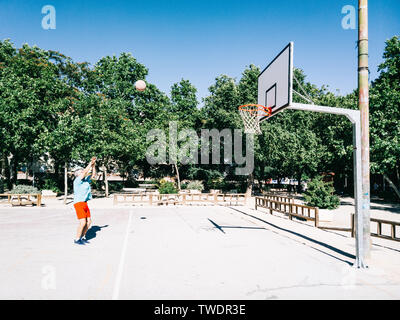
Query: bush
[388,196]
[1,186]
[23,189]
[166,187]
[116,186]
[96,185]
[195,185]
[50,184]
[321,194]
[132,184]
[184,186]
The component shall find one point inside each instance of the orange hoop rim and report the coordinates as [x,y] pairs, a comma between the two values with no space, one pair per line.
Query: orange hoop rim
[256,107]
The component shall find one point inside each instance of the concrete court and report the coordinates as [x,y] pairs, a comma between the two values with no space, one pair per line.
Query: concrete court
[183,253]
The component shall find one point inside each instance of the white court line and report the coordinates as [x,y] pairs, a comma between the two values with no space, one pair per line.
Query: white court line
[122,261]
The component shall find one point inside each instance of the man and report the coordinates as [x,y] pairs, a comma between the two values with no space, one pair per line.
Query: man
[82,194]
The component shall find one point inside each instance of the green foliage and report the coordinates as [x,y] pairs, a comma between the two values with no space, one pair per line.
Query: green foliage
[116,186]
[50,184]
[184,186]
[321,194]
[96,185]
[385,112]
[1,186]
[388,196]
[132,184]
[195,185]
[24,189]
[166,187]
[65,111]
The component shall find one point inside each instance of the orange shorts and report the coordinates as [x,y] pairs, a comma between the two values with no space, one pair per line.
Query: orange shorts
[82,210]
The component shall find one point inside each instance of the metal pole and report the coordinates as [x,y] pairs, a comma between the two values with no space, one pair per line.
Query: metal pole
[363,86]
[359,218]
[355,118]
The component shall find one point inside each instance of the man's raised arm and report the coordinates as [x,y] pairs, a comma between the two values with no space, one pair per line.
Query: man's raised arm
[86,171]
[94,171]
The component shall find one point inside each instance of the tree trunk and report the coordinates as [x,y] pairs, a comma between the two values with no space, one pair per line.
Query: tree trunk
[7,172]
[392,185]
[58,171]
[383,183]
[13,171]
[260,185]
[299,187]
[177,176]
[105,181]
[3,167]
[65,182]
[56,168]
[249,188]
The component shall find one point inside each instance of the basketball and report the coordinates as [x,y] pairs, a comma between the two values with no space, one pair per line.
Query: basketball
[140,85]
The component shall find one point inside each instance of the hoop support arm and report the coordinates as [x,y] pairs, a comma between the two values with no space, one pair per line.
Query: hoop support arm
[355,117]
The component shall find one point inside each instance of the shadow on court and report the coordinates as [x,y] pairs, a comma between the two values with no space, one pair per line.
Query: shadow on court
[322,244]
[221,228]
[92,232]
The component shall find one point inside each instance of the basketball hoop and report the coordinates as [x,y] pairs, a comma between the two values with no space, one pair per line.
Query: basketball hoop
[251,115]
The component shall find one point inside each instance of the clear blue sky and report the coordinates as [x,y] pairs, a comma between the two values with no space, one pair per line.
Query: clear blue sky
[199,40]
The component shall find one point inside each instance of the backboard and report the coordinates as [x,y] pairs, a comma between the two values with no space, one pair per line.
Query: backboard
[275,82]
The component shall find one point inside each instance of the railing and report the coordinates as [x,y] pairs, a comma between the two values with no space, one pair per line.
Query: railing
[23,199]
[351,229]
[128,198]
[305,212]
[379,234]
[379,229]
[290,209]
[272,196]
[276,190]
[183,199]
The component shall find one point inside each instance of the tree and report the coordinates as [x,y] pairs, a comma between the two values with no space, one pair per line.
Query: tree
[58,138]
[30,91]
[183,110]
[385,116]
[290,145]
[321,194]
[220,112]
[114,79]
[106,131]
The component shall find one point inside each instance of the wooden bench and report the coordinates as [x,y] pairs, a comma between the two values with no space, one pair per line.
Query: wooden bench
[23,199]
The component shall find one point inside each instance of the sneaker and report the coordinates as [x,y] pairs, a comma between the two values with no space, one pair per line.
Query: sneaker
[84,240]
[80,242]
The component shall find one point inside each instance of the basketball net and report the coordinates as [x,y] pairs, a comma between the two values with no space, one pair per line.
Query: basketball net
[251,115]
